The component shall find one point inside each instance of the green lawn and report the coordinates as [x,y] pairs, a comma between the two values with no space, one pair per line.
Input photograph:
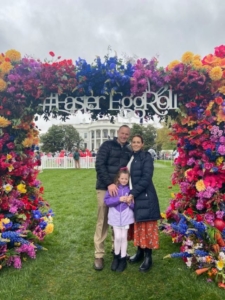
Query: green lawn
[66,271]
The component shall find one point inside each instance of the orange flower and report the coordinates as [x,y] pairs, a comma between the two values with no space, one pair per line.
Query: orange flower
[221,285]
[200,271]
[220,115]
[1,58]
[5,67]
[13,55]
[209,60]
[173,64]
[4,122]
[216,73]
[187,57]
[197,64]
[3,85]
[222,89]
[196,57]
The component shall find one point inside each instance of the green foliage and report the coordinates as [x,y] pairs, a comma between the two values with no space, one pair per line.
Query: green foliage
[65,271]
[163,139]
[60,137]
[148,133]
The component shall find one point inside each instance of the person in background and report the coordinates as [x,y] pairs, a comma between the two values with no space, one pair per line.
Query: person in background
[153,153]
[120,216]
[146,204]
[76,157]
[111,156]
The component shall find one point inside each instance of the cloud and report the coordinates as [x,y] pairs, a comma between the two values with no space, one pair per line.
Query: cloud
[86,28]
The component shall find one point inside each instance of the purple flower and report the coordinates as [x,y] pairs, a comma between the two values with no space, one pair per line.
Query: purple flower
[219,214]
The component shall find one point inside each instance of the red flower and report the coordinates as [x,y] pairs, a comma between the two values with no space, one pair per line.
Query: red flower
[219,100]
[190,212]
[52,53]
[220,51]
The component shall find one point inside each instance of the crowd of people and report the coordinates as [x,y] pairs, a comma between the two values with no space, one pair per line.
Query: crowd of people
[127,201]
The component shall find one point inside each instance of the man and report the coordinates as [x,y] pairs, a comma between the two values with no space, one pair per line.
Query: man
[76,157]
[112,155]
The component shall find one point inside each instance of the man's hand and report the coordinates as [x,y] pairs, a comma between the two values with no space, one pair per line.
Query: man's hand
[113,190]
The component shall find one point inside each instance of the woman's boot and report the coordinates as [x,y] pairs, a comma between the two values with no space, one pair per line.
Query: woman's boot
[138,256]
[147,263]
[122,264]
[115,262]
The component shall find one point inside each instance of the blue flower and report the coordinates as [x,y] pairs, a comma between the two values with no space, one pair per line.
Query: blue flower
[36,214]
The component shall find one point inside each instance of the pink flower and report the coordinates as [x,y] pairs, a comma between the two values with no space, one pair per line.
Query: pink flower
[221,150]
[17,262]
[220,51]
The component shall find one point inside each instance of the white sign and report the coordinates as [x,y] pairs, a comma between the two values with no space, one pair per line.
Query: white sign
[161,102]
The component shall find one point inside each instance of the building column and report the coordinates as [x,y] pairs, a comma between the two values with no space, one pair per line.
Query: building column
[95,137]
[101,133]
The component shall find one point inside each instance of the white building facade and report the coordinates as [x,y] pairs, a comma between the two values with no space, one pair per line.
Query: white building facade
[97,132]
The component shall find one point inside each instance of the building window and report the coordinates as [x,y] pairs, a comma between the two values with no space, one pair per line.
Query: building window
[85,135]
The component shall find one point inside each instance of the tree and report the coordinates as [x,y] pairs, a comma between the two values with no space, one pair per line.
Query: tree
[163,139]
[60,137]
[148,133]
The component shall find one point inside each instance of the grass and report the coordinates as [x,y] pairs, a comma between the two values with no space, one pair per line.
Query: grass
[66,271]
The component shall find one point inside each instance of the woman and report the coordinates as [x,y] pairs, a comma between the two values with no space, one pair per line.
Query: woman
[146,205]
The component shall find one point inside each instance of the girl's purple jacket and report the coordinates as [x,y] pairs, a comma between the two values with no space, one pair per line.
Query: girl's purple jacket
[120,213]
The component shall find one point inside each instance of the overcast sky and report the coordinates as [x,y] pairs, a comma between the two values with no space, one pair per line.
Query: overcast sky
[86,28]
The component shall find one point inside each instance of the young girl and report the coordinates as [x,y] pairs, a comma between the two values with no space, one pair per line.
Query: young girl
[120,216]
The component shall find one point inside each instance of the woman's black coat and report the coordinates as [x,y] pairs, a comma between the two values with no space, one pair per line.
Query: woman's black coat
[146,204]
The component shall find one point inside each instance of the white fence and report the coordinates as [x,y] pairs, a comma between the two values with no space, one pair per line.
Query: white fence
[66,162]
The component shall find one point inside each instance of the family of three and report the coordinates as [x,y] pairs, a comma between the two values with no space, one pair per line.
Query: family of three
[126,195]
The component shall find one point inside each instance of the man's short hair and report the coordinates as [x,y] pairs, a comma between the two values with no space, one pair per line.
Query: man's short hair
[126,126]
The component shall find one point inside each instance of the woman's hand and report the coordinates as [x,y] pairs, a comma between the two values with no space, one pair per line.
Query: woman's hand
[130,199]
[123,199]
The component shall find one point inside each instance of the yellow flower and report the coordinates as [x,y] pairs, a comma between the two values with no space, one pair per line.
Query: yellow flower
[196,57]
[21,188]
[2,58]
[200,186]
[5,67]
[3,85]
[13,55]
[197,64]
[163,215]
[4,122]
[216,73]
[173,64]
[7,187]
[10,168]
[8,156]
[222,89]
[187,57]
[4,221]
[27,142]
[219,160]
[219,265]
[49,228]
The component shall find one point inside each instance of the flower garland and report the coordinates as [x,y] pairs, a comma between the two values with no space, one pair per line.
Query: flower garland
[195,216]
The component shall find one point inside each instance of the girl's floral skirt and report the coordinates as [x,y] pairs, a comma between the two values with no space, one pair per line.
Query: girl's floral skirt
[145,234]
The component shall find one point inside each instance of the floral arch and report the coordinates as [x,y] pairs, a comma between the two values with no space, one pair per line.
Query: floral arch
[196,214]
